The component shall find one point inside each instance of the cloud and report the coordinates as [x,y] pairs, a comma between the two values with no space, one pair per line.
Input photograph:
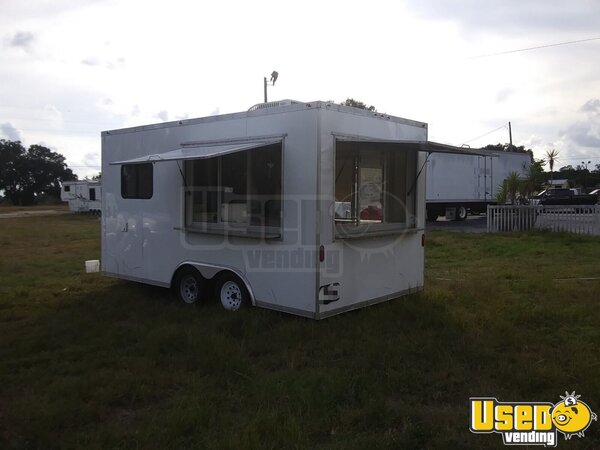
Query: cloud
[22,39]
[91,159]
[10,132]
[107,64]
[116,64]
[592,106]
[52,116]
[215,112]
[15,11]
[585,134]
[163,115]
[504,94]
[502,16]
[91,62]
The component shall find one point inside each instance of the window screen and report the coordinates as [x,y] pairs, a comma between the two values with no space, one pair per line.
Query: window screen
[242,188]
[372,184]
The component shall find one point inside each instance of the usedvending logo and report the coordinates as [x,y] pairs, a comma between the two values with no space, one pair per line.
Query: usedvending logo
[531,423]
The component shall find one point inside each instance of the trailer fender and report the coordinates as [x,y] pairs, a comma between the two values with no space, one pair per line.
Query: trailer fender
[209,270]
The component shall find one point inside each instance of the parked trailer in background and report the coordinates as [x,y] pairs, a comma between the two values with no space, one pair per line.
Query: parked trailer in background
[308,208]
[82,196]
[457,184]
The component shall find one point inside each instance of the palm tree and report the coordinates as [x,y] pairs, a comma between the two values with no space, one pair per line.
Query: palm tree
[552,156]
[501,193]
[513,182]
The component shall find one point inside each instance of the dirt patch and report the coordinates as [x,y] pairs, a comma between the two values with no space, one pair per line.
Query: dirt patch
[37,212]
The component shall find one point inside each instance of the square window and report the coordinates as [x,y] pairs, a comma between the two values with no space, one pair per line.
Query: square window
[374,185]
[137,181]
[241,189]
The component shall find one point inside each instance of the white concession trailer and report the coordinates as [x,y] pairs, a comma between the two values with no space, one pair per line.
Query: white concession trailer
[308,208]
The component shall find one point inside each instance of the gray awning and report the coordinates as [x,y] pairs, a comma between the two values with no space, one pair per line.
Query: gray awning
[199,152]
[421,146]
[434,147]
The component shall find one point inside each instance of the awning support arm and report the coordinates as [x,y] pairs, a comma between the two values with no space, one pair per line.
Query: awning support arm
[185,185]
[419,174]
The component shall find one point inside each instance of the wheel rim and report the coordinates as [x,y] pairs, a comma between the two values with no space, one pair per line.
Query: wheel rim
[462,212]
[188,288]
[231,296]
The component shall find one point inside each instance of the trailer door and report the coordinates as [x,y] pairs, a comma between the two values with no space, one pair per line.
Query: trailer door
[124,221]
[485,178]
[489,187]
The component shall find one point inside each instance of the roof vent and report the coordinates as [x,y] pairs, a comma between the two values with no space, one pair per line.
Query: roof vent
[276,104]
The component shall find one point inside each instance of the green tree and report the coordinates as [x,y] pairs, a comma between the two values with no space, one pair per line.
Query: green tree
[507,191]
[579,176]
[357,104]
[516,188]
[502,193]
[508,148]
[536,177]
[10,157]
[27,174]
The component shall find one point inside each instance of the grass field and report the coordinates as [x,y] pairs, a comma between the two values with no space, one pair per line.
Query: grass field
[52,206]
[92,362]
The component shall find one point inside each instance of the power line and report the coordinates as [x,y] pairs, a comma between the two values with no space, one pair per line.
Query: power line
[535,48]
[485,134]
[578,158]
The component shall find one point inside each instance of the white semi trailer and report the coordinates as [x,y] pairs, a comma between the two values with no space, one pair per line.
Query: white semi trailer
[457,184]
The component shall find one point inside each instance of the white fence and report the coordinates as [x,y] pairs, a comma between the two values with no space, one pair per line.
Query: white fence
[583,219]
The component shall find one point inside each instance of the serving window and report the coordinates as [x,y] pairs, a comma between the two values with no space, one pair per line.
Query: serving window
[374,187]
[237,191]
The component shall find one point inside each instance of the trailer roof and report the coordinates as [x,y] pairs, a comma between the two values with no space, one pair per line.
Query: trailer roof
[278,109]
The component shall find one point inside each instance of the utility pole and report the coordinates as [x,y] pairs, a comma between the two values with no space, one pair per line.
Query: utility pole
[509,134]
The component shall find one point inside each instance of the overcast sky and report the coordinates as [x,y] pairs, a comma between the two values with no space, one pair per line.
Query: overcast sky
[72,68]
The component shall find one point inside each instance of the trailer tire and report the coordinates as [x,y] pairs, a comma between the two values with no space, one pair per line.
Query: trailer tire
[461,212]
[189,285]
[231,291]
